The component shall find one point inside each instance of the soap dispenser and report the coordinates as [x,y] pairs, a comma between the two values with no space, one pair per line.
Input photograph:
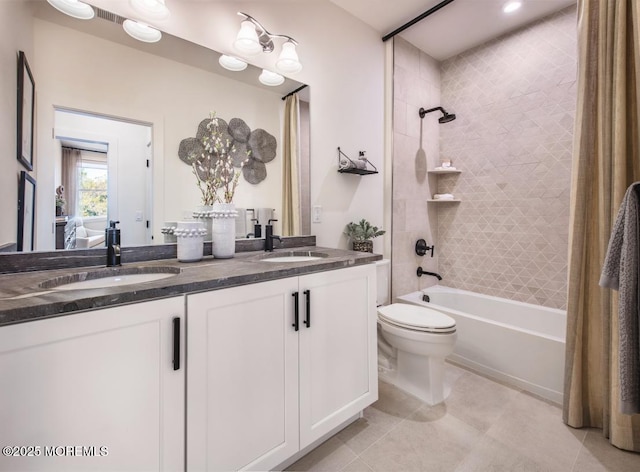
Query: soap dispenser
[112,239]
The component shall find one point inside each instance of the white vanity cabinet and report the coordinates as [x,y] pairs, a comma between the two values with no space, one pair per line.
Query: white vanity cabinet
[95,390]
[268,376]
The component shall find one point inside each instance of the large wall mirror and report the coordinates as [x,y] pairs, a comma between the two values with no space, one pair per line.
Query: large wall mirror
[119,109]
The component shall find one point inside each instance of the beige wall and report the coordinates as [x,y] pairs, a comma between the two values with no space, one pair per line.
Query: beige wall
[415,150]
[15,22]
[515,100]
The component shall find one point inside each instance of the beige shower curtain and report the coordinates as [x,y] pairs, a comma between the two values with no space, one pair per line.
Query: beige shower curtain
[290,179]
[71,159]
[606,160]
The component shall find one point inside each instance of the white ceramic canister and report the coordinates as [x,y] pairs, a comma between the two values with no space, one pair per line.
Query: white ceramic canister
[190,236]
[168,230]
[224,230]
[204,213]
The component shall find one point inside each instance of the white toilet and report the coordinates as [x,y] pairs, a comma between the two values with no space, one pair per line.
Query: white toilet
[413,342]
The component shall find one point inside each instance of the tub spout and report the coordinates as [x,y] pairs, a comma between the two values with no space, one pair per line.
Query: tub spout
[421,272]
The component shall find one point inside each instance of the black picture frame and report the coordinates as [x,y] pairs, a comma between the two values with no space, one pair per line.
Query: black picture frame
[26,212]
[26,108]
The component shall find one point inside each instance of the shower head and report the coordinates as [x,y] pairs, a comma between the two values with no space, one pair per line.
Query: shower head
[445,118]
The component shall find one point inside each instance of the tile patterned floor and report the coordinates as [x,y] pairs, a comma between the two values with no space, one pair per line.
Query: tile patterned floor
[482,426]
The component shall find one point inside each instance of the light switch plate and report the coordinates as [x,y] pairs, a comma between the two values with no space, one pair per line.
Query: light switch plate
[316,214]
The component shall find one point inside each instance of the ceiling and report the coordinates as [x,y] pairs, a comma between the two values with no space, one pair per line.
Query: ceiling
[457,27]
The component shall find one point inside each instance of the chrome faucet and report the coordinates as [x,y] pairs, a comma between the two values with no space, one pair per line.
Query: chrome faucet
[269,236]
[421,272]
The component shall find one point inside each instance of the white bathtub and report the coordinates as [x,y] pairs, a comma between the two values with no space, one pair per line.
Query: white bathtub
[516,343]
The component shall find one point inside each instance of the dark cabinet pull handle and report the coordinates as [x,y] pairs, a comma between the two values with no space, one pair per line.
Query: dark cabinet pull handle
[176,343]
[307,321]
[296,313]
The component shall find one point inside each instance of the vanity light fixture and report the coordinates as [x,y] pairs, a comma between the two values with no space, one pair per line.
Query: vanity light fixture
[151,9]
[512,6]
[270,78]
[74,8]
[253,38]
[232,63]
[141,32]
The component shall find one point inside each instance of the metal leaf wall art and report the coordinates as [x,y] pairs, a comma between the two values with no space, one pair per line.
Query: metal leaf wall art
[255,148]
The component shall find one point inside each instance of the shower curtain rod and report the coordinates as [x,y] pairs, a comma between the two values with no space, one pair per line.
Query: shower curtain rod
[416,19]
[295,91]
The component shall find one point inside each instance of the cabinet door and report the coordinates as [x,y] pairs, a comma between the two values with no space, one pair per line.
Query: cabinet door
[242,381]
[338,363]
[94,390]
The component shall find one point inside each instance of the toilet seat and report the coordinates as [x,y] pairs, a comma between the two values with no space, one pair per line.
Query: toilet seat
[417,318]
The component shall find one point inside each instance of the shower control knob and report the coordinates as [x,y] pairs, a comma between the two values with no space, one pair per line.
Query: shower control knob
[422,247]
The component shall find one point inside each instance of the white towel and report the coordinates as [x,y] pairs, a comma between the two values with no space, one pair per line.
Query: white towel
[445,168]
[241,223]
[443,196]
[264,215]
[346,163]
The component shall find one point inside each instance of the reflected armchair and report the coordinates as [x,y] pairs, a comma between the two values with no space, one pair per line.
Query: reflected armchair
[86,237]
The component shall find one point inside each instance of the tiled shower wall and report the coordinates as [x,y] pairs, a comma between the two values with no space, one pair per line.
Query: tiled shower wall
[515,101]
[415,149]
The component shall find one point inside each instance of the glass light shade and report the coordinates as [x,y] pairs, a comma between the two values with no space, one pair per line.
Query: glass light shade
[232,63]
[270,78]
[510,7]
[152,9]
[141,32]
[73,8]
[288,60]
[247,39]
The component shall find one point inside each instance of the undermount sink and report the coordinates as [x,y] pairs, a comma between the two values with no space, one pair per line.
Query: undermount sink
[110,277]
[294,256]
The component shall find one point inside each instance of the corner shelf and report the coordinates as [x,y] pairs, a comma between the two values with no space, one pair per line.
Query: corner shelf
[357,171]
[444,171]
[352,167]
[440,172]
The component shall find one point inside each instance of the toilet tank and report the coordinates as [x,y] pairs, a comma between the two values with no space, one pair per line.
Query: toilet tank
[383,277]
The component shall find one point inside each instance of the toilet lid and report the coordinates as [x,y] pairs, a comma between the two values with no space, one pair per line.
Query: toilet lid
[417,318]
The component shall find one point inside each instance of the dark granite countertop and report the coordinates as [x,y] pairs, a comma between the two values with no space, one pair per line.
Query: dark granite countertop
[23,298]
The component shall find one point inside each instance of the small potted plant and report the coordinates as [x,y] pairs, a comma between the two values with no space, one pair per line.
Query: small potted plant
[60,200]
[361,235]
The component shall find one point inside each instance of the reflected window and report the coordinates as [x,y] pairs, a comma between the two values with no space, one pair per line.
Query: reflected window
[92,188]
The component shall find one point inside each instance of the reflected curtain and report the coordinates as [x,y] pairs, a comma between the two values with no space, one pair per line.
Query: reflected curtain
[71,159]
[290,176]
[606,160]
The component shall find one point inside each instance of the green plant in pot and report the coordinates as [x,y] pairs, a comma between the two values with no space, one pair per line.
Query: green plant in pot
[361,235]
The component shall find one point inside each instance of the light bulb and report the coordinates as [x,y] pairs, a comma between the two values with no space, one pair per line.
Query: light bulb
[247,39]
[270,78]
[232,63]
[152,9]
[288,60]
[73,8]
[510,7]
[141,32]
